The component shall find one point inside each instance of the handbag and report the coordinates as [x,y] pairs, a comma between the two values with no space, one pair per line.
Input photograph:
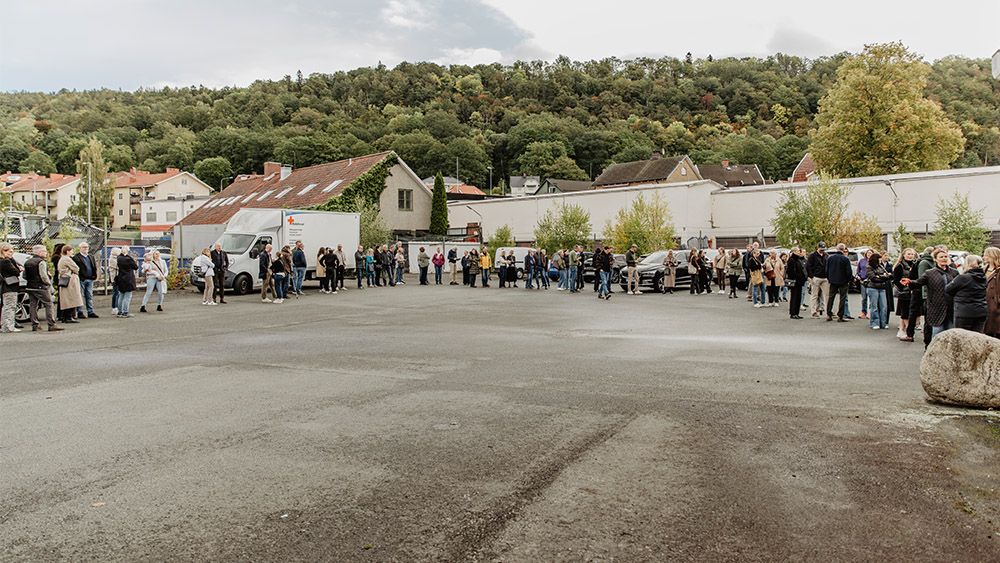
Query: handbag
[770,274]
[756,278]
[63,281]
[12,280]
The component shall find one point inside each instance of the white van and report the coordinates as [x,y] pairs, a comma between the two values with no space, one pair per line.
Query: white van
[519,253]
[251,230]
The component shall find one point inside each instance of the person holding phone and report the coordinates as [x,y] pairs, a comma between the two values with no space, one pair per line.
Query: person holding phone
[901,285]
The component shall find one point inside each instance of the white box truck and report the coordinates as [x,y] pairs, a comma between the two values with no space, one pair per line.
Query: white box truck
[250,230]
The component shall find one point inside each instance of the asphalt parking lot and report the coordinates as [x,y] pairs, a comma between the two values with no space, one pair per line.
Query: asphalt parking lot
[454,424]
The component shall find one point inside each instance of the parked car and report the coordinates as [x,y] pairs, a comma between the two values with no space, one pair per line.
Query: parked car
[650,269]
[588,268]
[520,252]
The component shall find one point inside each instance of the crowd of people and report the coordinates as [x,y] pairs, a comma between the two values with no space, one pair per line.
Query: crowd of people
[913,287]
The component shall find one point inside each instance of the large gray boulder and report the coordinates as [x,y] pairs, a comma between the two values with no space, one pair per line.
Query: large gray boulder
[962,368]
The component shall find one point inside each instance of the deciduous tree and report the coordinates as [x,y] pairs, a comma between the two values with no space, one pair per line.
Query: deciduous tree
[959,226]
[563,227]
[645,223]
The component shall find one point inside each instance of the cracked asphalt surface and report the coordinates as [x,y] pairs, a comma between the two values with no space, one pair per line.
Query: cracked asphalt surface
[452,424]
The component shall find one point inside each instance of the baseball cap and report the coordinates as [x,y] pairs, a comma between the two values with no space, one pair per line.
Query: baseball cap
[821,245]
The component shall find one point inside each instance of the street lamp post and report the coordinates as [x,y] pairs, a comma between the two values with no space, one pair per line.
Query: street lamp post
[482,233]
[895,202]
[223,181]
[491,179]
[90,188]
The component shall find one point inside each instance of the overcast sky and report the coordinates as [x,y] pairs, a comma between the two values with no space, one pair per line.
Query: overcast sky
[48,44]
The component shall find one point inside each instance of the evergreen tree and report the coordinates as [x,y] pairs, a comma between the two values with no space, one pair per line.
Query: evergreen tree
[439,208]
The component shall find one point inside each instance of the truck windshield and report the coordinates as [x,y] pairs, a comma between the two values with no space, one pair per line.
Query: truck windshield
[235,244]
[32,227]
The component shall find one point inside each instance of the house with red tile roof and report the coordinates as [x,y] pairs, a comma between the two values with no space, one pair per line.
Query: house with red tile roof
[51,196]
[405,203]
[133,187]
[805,169]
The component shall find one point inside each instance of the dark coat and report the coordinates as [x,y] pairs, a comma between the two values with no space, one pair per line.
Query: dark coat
[83,261]
[902,270]
[796,270]
[299,258]
[993,305]
[968,292]
[127,267]
[8,267]
[838,269]
[939,308]
[876,277]
[220,261]
[816,264]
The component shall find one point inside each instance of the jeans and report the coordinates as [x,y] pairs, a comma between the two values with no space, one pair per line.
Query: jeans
[503,275]
[437,275]
[543,276]
[528,275]
[936,330]
[758,294]
[399,274]
[562,279]
[877,308]
[160,286]
[300,276]
[116,295]
[279,286]
[87,286]
[9,310]
[486,277]
[370,278]
[605,283]
[572,278]
[784,292]
[123,302]
[864,299]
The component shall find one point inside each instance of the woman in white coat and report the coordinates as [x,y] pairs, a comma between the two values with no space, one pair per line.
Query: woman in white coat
[155,270]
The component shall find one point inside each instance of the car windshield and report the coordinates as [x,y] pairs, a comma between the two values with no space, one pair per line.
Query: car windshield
[655,258]
[235,244]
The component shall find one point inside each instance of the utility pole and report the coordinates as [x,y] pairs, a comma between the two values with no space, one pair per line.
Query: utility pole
[491,180]
[90,188]
[456,168]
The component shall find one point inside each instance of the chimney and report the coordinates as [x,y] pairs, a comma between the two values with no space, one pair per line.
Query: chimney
[271,168]
[53,177]
[173,170]
[655,156]
[725,162]
[133,170]
[286,171]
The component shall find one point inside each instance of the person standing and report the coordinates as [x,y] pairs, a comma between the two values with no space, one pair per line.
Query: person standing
[774,271]
[862,275]
[819,285]
[279,270]
[400,264]
[321,269]
[155,270]
[796,274]
[502,268]
[70,294]
[939,308]
[453,265]
[721,263]
[901,285]
[127,267]
[423,262]
[88,273]
[968,292]
[332,264]
[10,283]
[839,276]
[113,278]
[877,281]
[991,260]
[342,265]
[540,269]
[220,265]
[263,272]
[529,269]
[360,265]
[692,268]
[286,260]
[203,263]
[438,261]
[631,266]
[606,261]
[704,274]
[734,265]
[574,268]
[560,263]
[370,267]
[299,265]
[485,264]
[39,288]
[670,264]
[473,267]
[755,264]
[389,264]
[465,268]
[378,265]
[917,297]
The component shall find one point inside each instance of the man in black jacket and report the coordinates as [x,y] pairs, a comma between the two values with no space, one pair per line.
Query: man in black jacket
[839,274]
[796,272]
[39,286]
[359,264]
[264,273]
[88,273]
[453,265]
[220,265]
[378,266]
[818,283]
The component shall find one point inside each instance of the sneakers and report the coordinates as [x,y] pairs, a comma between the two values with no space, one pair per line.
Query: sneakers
[900,334]
[266,300]
[906,339]
[279,301]
[721,291]
[114,310]
[55,328]
[757,305]
[333,292]
[211,303]
[863,316]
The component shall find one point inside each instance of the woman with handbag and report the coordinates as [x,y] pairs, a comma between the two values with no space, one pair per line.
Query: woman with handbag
[127,268]
[693,270]
[155,271]
[204,264]
[10,282]
[669,272]
[877,280]
[755,265]
[774,274]
[70,291]
[734,267]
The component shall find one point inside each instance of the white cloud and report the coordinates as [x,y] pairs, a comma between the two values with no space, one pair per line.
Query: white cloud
[408,14]
[480,55]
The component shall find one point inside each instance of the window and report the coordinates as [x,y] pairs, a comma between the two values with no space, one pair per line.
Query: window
[121,195]
[307,188]
[684,171]
[406,200]
[121,212]
[282,193]
[265,194]
[171,216]
[22,197]
[332,185]
[151,217]
[72,197]
[249,197]
[184,181]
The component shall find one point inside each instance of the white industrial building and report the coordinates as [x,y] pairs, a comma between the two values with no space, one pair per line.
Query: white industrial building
[732,215]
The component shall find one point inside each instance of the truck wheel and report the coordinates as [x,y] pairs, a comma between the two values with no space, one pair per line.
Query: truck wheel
[242,284]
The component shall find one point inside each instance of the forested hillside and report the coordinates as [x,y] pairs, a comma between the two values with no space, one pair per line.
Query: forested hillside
[561,119]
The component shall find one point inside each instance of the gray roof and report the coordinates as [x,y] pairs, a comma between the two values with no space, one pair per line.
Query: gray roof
[733,175]
[567,186]
[638,171]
